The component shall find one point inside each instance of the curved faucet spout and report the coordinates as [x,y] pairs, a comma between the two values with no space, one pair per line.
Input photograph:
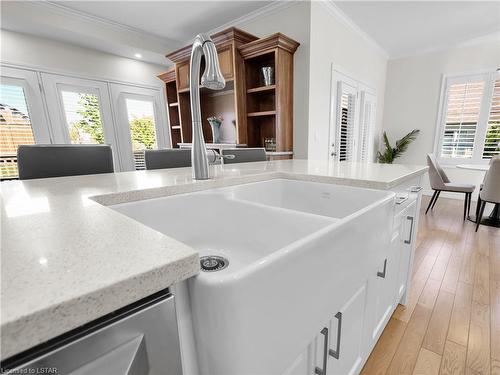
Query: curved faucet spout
[212,78]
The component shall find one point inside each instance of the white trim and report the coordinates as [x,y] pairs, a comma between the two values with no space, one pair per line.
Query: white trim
[484,75]
[265,10]
[334,10]
[67,11]
[42,69]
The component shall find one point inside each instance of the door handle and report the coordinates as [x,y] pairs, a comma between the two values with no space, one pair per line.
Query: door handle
[382,274]
[408,241]
[336,353]
[322,371]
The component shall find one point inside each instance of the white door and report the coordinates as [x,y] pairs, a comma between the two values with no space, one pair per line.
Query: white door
[80,111]
[141,123]
[22,116]
[343,126]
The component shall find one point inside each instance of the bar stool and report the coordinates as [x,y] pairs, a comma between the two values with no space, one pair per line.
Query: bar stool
[169,158]
[42,161]
[243,155]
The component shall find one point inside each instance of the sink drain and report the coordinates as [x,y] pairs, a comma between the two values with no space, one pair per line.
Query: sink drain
[212,263]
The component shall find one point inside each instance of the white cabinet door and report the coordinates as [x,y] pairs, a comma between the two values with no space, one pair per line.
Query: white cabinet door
[302,364]
[384,282]
[345,354]
[408,233]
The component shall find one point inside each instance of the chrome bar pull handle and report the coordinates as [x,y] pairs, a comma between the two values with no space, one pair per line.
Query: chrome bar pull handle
[408,241]
[382,274]
[336,353]
[322,371]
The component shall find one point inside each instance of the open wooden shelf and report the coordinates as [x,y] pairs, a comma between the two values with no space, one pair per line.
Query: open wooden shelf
[261,88]
[262,113]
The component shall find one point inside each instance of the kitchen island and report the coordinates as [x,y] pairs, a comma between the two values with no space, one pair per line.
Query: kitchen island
[67,259]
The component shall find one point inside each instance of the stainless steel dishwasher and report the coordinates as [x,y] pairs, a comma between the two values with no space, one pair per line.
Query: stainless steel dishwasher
[142,340]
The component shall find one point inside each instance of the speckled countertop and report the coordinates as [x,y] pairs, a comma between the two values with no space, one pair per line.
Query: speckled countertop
[66,259]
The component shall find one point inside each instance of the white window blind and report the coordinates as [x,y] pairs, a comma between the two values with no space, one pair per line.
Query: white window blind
[462,116]
[367,120]
[469,128]
[492,140]
[346,129]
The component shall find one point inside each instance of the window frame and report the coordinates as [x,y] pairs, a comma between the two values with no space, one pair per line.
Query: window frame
[119,94]
[361,91]
[28,80]
[488,78]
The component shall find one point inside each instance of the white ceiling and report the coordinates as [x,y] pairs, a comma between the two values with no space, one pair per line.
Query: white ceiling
[124,28]
[405,28]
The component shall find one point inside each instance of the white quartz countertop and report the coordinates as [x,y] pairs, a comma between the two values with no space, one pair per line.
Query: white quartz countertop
[66,259]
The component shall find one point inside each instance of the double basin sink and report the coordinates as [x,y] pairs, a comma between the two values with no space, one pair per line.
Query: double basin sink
[285,247]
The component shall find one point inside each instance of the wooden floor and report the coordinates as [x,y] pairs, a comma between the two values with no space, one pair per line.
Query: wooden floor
[451,324]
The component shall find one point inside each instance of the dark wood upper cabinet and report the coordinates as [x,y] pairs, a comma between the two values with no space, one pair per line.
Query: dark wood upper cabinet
[260,111]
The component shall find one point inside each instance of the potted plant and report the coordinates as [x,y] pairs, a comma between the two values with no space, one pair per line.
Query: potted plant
[390,153]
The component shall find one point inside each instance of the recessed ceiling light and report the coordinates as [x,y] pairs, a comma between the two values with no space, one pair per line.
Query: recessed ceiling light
[138,55]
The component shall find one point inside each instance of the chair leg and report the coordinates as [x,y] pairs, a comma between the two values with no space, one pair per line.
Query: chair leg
[481,211]
[435,200]
[468,205]
[465,205]
[478,206]
[430,202]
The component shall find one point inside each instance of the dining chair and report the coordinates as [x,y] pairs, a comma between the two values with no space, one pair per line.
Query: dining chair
[243,155]
[168,158]
[490,192]
[440,182]
[42,161]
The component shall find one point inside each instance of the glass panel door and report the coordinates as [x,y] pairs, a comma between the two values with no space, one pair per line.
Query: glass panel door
[22,120]
[80,112]
[141,122]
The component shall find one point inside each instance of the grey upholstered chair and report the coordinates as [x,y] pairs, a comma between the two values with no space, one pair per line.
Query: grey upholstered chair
[244,155]
[42,161]
[440,182]
[169,158]
[490,192]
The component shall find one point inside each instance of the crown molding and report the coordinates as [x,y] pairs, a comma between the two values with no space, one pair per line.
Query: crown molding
[274,6]
[334,10]
[66,11]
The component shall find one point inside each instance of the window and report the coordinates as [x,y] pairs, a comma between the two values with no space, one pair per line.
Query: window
[22,119]
[15,128]
[353,117]
[470,122]
[83,117]
[140,114]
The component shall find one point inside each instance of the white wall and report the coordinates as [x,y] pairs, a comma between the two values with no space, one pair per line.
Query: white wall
[412,98]
[293,21]
[334,41]
[28,50]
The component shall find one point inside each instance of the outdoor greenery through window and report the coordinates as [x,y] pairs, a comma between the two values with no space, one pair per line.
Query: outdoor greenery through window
[15,128]
[83,117]
[140,114]
[471,128]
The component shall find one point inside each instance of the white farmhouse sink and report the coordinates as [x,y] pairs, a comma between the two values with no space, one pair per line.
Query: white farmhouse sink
[288,243]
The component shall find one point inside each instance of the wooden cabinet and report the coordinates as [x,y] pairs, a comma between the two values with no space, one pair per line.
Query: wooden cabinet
[258,111]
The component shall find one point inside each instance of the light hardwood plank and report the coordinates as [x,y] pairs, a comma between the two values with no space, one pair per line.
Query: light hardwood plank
[450,279]
[453,362]
[495,367]
[468,265]
[481,292]
[407,352]
[435,337]
[460,316]
[428,363]
[441,263]
[478,350]
[495,296]
[429,293]
[381,356]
